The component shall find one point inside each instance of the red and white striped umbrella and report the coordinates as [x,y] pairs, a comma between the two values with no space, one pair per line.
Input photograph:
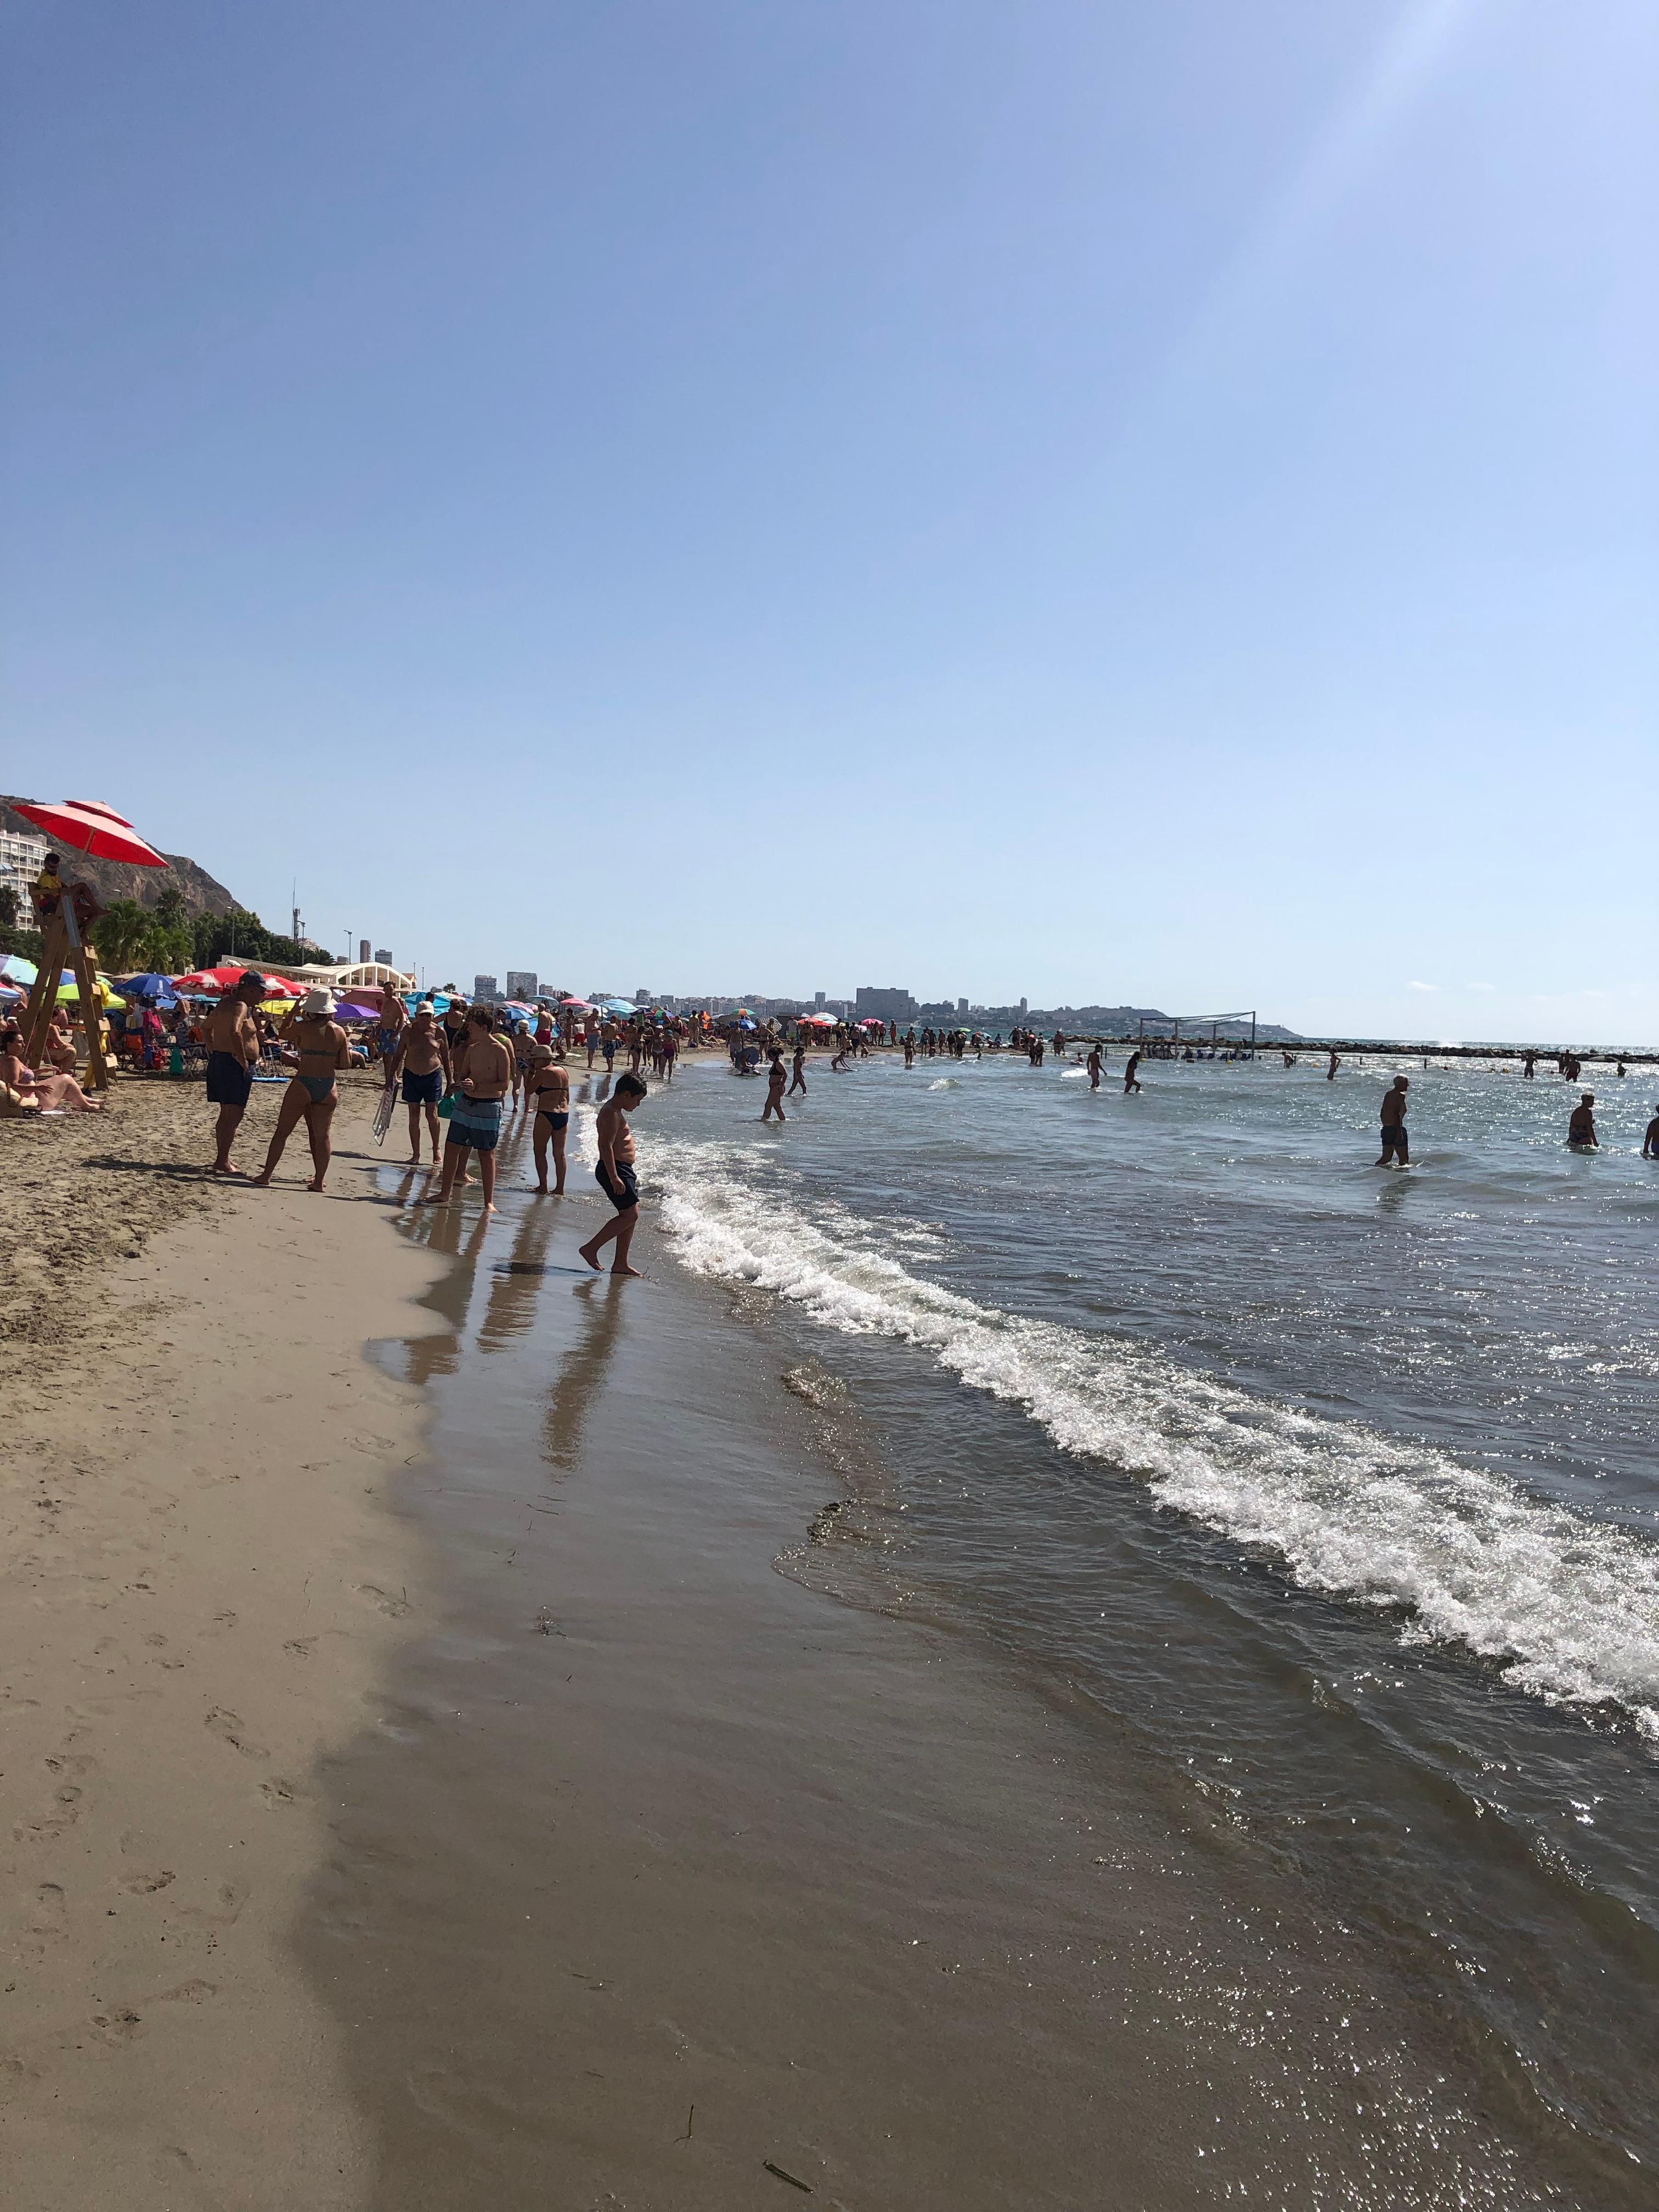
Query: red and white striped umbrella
[94,829]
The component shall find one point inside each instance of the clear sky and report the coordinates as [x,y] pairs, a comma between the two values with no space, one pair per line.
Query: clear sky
[1146,502]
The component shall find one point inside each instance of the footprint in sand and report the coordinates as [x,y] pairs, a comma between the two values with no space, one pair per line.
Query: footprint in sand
[49,1911]
[299,1646]
[228,1728]
[394,1607]
[278,1792]
[146,1885]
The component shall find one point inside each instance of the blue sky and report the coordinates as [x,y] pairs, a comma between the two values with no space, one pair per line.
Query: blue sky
[1145,501]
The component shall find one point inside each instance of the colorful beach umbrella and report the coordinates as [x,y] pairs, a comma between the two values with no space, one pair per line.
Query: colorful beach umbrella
[92,829]
[15,969]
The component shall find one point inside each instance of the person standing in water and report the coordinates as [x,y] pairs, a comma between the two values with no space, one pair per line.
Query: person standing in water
[547,1093]
[1093,1065]
[320,1049]
[1330,1072]
[1131,1080]
[1581,1130]
[616,1175]
[1651,1142]
[799,1081]
[1394,1147]
[774,1088]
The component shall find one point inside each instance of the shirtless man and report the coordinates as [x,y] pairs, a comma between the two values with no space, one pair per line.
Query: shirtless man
[773,1089]
[615,1176]
[1330,1072]
[48,1092]
[547,1090]
[1651,1142]
[233,1054]
[1131,1080]
[483,1073]
[1094,1065]
[389,1033]
[422,1060]
[800,1070]
[1394,1124]
[1581,1130]
[320,1048]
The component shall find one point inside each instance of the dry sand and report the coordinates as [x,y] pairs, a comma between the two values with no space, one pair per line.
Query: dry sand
[198,1594]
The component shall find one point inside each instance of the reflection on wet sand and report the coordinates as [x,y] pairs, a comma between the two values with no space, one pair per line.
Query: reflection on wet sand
[581,1371]
[510,1309]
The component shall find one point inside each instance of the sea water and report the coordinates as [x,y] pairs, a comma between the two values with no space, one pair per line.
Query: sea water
[1336,1482]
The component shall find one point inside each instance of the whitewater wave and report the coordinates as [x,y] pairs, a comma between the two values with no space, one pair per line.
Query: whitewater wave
[1568,1607]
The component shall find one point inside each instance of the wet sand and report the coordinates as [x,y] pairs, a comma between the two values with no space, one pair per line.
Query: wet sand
[437,1797]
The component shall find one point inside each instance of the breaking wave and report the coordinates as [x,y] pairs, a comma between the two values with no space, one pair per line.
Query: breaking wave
[1566,1607]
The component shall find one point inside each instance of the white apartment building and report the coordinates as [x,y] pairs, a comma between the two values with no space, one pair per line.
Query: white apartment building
[21,860]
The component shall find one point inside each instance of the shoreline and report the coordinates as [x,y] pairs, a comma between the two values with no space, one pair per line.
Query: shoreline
[590,1846]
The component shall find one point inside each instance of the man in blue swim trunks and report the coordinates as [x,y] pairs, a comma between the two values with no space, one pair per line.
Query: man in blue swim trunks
[233,1054]
[483,1073]
[421,1058]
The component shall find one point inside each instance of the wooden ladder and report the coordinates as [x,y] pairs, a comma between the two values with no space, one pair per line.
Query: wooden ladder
[65,947]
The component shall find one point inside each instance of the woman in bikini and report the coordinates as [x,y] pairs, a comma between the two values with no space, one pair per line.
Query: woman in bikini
[521,1042]
[547,1089]
[319,1048]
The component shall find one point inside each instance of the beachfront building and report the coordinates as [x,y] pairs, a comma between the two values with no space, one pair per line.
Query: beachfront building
[891,1004]
[522,983]
[485,986]
[21,860]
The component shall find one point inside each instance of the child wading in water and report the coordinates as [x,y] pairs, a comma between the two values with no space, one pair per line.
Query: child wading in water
[615,1176]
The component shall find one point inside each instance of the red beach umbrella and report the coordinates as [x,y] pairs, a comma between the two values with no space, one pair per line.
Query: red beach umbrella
[226,978]
[94,829]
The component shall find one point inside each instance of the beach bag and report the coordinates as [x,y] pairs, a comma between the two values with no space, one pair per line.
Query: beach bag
[446,1105]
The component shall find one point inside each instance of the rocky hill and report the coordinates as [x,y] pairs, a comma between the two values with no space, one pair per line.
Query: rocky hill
[114,880]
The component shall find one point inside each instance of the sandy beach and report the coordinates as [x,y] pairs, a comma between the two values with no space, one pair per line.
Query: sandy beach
[422,1788]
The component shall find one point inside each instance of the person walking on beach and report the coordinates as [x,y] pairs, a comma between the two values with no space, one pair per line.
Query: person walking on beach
[1131,1080]
[773,1089]
[1394,1124]
[422,1060]
[481,1076]
[232,1052]
[799,1081]
[320,1048]
[1094,1064]
[616,1175]
[548,1092]
[1581,1130]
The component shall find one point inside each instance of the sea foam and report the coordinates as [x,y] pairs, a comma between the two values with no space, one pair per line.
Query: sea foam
[1567,1607]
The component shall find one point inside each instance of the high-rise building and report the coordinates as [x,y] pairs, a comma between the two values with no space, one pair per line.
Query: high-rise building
[362,949]
[817,1002]
[485,986]
[521,983]
[383,956]
[21,860]
[962,1008]
[641,997]
[1022,1005]
[894,1003]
